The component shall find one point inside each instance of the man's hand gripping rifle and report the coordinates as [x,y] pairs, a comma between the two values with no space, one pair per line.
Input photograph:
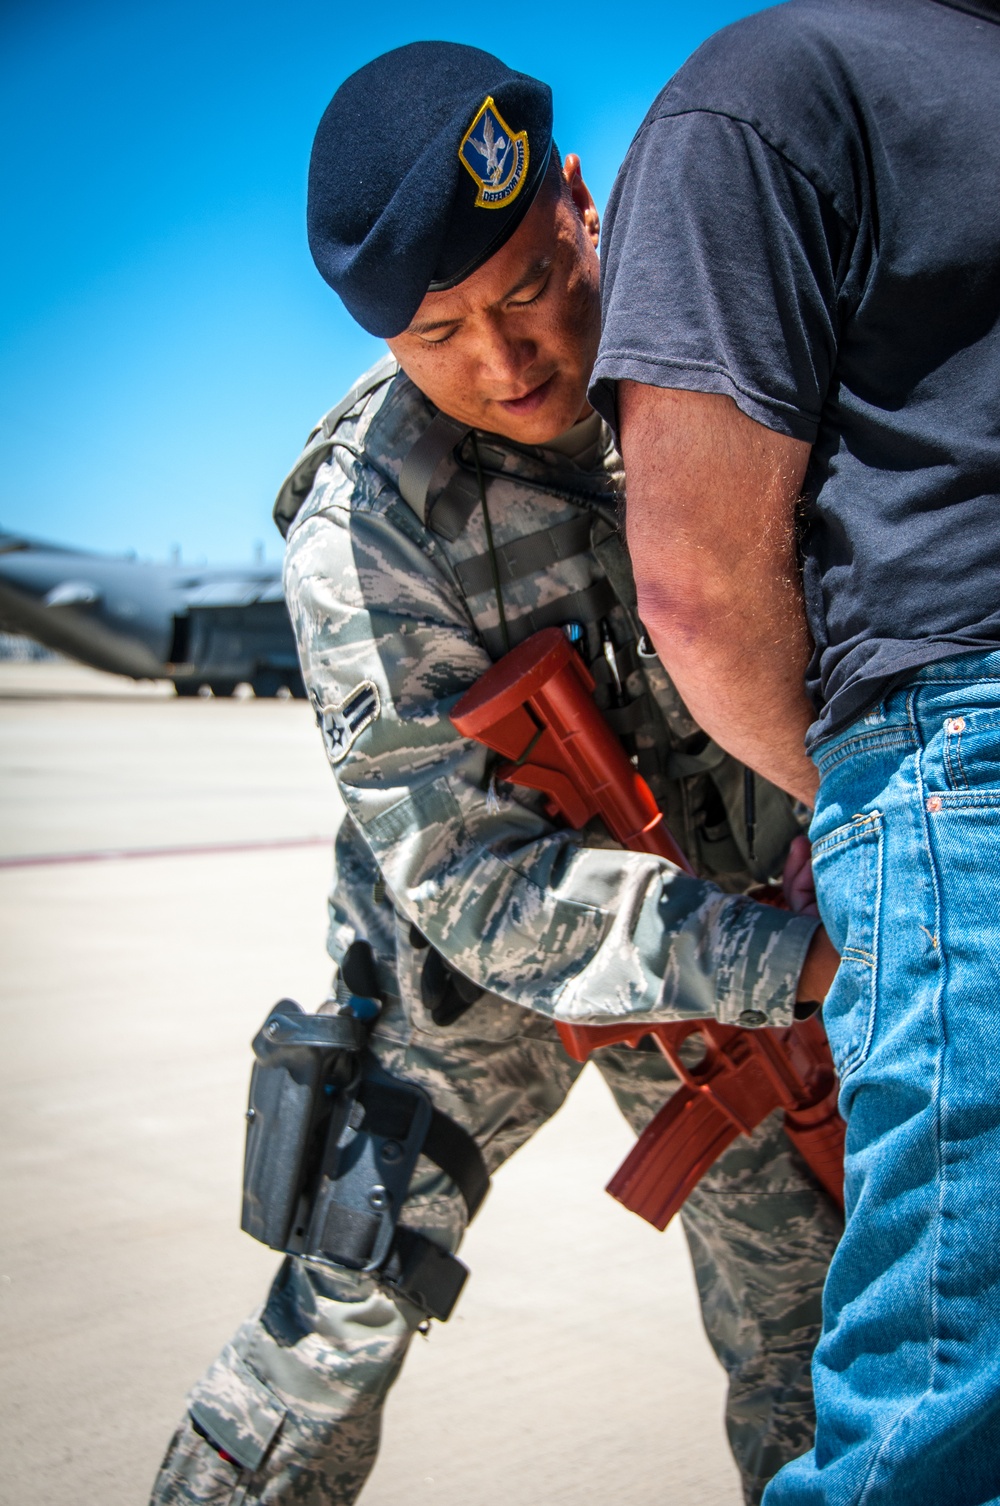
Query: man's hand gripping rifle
[535,708]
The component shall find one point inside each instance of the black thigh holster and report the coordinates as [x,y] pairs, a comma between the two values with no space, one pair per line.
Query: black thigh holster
[332,1142]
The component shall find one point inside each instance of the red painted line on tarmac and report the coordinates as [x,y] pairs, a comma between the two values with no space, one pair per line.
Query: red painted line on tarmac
[119,854]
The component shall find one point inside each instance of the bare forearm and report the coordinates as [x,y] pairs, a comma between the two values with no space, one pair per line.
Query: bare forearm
[711,499]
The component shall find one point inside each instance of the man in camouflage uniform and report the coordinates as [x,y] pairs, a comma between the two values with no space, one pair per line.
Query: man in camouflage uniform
[421,544]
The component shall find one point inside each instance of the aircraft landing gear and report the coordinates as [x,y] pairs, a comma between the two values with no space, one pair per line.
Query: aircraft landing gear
[278,682]
[266,683]
[205,687]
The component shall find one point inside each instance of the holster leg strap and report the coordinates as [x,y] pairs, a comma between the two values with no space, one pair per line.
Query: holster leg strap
[424,1274]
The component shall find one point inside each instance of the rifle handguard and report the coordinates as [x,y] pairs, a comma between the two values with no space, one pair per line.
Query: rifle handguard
[536,709]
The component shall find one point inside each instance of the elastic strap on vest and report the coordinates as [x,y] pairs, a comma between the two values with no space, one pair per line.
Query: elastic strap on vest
[526,556]
[491,549]
[439,440]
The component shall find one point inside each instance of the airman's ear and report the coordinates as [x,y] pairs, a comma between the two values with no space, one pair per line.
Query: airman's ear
[583,203]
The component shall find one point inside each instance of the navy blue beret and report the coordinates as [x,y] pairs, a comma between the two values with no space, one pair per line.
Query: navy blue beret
[423,165]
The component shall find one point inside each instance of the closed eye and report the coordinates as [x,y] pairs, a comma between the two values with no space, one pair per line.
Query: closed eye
[533,297]
[439,339]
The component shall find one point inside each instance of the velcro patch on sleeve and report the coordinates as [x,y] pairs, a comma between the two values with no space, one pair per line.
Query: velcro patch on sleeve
[343,722]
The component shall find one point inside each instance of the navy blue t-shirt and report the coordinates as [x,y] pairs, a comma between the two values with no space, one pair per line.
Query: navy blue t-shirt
[808,220]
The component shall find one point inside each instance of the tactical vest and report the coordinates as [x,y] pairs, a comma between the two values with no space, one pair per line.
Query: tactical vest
[532,542]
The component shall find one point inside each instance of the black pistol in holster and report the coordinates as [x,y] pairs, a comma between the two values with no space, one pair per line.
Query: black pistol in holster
[332,1143]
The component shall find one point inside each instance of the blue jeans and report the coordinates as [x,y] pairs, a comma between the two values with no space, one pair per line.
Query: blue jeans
[906,842]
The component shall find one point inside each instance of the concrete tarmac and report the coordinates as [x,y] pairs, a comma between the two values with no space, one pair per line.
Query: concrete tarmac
[575,1369]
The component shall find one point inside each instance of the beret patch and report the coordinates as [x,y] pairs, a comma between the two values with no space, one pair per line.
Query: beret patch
[496,156]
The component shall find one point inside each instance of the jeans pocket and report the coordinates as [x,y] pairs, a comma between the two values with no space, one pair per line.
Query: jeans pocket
[847,864]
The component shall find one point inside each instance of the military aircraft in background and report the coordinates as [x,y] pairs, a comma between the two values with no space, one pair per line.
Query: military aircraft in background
[199,626]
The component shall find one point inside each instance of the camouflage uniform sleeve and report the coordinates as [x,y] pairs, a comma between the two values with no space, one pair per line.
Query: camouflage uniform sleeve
[582,933]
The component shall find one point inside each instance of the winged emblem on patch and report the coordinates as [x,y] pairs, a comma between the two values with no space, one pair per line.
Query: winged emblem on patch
[495,156]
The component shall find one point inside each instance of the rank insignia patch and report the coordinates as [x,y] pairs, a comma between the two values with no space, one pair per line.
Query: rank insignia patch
[496,156]
[343,722]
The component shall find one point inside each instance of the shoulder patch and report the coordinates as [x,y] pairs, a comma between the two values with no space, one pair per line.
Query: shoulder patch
[343,722]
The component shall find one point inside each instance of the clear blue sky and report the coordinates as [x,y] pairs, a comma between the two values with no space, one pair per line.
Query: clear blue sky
[166,342]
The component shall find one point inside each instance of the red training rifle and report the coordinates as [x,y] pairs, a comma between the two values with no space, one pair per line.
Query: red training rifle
[535,707]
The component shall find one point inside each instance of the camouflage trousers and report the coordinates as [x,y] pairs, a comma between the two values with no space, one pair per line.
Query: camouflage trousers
[298,1392]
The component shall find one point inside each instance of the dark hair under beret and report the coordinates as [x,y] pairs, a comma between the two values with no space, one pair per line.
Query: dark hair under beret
[424,164]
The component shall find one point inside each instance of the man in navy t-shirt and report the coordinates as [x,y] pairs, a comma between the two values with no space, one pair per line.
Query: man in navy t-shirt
[801,349]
